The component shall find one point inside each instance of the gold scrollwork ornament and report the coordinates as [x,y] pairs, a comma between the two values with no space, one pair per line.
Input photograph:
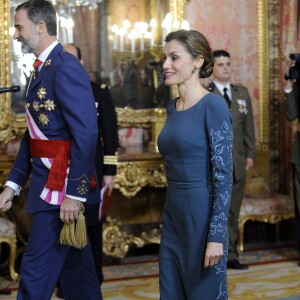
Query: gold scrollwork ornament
[115,241]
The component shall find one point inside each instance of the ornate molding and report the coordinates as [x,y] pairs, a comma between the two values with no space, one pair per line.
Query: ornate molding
[263,74]
[132,176]
[11,124]
[266,218]
[115,241]
[129,117]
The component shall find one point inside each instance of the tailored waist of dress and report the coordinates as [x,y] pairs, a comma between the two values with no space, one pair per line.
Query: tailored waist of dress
[188,185]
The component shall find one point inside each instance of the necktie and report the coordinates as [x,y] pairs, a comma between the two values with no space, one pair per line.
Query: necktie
[226,97]
[36,65]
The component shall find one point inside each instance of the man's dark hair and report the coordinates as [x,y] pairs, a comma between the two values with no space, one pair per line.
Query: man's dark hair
[219,53]
[41,10]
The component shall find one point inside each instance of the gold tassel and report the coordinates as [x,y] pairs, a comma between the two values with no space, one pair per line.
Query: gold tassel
[80,232]
[75,235]
[67,235]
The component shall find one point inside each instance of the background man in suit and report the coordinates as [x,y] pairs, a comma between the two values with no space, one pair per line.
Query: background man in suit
[105,160]
[239,103]
[57,151]
[292,112]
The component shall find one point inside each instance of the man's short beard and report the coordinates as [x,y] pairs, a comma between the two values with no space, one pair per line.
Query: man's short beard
[26,49]
[30,44]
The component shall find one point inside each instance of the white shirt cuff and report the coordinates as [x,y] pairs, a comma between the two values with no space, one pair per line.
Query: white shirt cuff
[14,186]
[77,198]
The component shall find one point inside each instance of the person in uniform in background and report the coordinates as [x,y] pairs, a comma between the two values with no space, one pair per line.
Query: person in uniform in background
[292,113]
[105,160]
[239,103]
[116,89]
[57,152]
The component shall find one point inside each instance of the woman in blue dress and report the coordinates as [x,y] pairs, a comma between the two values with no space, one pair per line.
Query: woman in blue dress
[196,142]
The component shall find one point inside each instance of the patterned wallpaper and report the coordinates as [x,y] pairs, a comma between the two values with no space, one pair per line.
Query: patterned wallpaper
[231,25]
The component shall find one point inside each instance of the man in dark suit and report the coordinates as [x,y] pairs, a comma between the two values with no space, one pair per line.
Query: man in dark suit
[105,160]
[57,151]
[292,112]
[239,103]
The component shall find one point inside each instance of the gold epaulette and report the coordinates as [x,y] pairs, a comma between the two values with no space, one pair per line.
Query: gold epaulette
[110,159]
[103,86]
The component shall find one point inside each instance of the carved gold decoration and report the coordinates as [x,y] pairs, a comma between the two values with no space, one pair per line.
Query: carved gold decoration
[11,125]
[132,176]
[263,74]
[152,237]
[117,242]
[12,243]
[267,218]
[129,117]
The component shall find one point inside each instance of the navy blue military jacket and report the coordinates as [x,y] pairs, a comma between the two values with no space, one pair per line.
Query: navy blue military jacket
[61,104]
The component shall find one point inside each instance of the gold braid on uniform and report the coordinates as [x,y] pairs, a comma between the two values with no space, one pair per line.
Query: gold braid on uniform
[110,159]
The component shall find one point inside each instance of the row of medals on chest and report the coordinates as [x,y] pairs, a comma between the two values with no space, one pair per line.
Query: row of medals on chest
[42,108]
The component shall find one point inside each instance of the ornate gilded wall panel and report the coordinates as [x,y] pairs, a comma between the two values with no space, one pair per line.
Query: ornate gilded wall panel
[11,125]
[263,74]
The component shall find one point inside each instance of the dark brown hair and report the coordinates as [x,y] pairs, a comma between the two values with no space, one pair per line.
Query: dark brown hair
[41,10]
[197,46]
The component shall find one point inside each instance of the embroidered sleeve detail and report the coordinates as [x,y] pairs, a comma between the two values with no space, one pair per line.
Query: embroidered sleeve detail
[221,161]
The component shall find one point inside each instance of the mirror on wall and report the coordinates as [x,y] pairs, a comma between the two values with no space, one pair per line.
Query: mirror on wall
[121,46]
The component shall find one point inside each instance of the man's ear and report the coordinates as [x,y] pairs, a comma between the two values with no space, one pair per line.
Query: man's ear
[42,28]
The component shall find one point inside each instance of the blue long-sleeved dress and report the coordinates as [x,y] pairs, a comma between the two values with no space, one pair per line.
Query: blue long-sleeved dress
[197,146]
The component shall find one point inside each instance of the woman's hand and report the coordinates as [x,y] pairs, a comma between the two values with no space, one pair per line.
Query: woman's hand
[214,252]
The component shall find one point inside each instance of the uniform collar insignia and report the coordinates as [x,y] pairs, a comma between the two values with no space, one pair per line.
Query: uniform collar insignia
[47,63]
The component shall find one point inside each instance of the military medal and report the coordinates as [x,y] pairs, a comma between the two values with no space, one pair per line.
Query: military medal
[42,93]
[43,119]
[49,105]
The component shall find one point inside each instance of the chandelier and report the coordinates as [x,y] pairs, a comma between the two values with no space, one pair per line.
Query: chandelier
[131,42]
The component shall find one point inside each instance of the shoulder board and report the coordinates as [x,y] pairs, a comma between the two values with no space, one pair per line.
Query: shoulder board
[103,86]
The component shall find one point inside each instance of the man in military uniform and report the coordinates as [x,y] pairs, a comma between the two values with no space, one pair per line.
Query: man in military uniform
[105,160]
[57,152]
[239,103]
[292,113]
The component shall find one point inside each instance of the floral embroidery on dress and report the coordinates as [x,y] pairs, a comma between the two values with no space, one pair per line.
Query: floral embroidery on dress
[221,161]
